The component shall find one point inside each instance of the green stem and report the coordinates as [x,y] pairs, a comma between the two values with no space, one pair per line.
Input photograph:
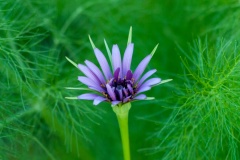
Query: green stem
[122,116]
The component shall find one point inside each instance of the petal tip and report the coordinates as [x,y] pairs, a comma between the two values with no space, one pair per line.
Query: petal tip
[154,49]
[130,35]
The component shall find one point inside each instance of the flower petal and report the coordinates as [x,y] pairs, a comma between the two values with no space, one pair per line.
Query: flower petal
[90,83]
[89,73]
[141,67]
[130,88]
[119,93]
[103,63]
[129,75]
[114,103]
[143,89]
[125,92]
[140,97]
[98,100]
[126,99]
[151,82]
[96,71]
[111,92]
[116,73]
[116,59]
[127,58]
[145,76]
[97,89]
[88,96]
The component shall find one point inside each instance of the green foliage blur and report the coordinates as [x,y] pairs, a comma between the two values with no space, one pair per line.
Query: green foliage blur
[195,116]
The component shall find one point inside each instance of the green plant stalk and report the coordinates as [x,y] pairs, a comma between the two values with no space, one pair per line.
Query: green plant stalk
[122,116]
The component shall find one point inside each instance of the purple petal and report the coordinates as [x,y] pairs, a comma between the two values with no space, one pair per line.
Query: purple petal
[97,89]
[116,73]
[125,92]
[115,102]
[146,75]
[110,92]
[129,75]
[98,100]
[89,73]
[140,97]
[143,89]
[116,59]
[96,71]
[120,94]
[88,96]
[141,67]
[103,63]
[86,81]
[126,99]
[130,88]
[151,82]
[111,81]
[90,83]
[127,58]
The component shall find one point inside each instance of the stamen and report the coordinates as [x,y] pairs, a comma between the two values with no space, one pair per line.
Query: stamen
[135,86]
[123,89]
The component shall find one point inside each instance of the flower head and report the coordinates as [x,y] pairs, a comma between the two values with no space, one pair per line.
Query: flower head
[117,84]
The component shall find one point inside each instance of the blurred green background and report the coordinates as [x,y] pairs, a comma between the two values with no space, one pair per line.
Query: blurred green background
[196,116]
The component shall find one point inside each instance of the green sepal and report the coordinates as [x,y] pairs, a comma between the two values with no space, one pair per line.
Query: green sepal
[122,109]
[163,81]
[71,97]
[130,36]
[73,63]
[73,88]
[93,46]
[108,52]
[154,50]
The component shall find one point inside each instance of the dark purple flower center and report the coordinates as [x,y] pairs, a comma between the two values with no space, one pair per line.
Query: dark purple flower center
[122,89]
[119,87]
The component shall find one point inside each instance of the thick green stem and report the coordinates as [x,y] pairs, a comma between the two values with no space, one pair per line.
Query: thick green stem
[122,116]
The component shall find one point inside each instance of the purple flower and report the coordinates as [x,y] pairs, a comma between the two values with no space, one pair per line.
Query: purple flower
[117,84]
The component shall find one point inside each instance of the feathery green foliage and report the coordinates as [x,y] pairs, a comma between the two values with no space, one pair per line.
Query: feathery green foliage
[196,116]
[205,123]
